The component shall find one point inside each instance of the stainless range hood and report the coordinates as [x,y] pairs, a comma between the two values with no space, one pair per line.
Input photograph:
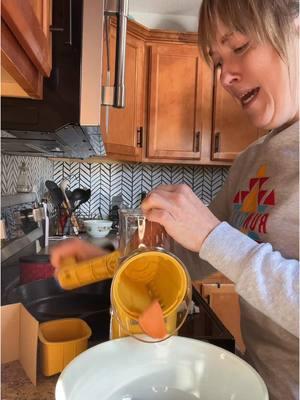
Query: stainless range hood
[66,122]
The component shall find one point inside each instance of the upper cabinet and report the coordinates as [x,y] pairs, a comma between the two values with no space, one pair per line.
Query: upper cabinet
[174,102]
[25,47]
[122,129]
[176,110]
[231,129]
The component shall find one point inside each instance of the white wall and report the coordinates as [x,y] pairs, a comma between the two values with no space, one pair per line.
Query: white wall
[181,23]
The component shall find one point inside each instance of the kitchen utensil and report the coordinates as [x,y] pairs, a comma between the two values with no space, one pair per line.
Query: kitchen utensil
[177,369]
[36,267]
[46,222]
[69,193]
[59,196]
[61,341]
[56,193]
[100,214]
[143,272]
[97,228]
[75,196]
[67,226]
[63,217]
[80,196]
[63,186]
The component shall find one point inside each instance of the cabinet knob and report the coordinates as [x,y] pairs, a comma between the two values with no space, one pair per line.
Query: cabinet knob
[197,142]
[217,142]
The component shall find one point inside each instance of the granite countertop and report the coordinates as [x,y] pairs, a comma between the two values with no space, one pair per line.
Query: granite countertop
[15,384]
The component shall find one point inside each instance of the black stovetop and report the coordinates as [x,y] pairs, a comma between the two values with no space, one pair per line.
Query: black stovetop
[45,300]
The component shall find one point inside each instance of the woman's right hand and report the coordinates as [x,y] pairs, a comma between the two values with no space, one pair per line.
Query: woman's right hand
[76,248]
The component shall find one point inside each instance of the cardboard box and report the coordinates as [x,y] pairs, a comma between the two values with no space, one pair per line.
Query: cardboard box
[19,338]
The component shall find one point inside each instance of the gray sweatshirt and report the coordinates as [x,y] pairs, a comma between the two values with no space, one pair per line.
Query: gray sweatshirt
[257,247]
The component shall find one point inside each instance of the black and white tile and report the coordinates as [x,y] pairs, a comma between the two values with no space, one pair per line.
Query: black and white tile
[130,180]
[40,169]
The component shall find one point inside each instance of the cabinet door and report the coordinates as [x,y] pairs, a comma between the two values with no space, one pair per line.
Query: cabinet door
[232,132]
[123,138]
[175,97]
[25,47]
[224,301]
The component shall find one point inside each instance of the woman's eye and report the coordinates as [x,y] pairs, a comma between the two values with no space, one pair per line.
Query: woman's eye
[241,49]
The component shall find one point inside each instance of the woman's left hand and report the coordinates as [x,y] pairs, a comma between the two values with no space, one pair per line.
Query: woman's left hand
[185,218]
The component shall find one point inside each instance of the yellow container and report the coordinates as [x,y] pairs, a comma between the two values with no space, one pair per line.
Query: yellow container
[61,341]
[141,278]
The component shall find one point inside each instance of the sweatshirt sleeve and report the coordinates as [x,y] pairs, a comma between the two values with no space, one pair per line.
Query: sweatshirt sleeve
[265,279]
[199,269]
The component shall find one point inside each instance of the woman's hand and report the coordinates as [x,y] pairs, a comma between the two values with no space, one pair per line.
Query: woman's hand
[79,249]
[185,218]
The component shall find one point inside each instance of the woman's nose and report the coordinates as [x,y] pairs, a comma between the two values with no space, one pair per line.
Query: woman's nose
[229,75]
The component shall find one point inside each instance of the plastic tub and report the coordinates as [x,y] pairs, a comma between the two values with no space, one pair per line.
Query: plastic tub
[61,341]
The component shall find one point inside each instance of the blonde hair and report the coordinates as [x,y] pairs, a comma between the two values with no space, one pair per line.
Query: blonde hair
[262,20]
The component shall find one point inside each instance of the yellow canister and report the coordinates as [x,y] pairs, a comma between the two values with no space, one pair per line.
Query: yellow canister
[143,273]
[143,277]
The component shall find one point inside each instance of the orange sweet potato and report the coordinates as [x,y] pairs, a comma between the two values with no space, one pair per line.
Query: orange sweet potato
[152,321]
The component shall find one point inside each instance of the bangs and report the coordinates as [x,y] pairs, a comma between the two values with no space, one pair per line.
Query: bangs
[261,20]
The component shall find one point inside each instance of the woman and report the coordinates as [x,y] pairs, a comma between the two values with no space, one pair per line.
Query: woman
[255,44]
[250,231]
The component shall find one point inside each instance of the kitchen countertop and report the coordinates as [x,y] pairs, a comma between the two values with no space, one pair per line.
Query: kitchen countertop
[15,384]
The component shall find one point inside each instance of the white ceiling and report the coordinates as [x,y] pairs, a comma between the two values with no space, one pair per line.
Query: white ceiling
[169,7]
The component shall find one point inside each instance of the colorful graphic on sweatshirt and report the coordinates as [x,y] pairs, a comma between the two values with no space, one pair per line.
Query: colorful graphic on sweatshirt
[251,207]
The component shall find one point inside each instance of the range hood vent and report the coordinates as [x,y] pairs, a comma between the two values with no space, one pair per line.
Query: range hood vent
[66,122]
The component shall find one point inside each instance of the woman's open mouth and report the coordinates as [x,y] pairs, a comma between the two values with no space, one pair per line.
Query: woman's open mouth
[248,97]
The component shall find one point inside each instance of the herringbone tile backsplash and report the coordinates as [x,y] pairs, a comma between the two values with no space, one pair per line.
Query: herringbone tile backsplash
[108,180]
[40,169]
[130,180]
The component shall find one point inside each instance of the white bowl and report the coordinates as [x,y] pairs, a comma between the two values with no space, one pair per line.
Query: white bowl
[97,228]
[176,369]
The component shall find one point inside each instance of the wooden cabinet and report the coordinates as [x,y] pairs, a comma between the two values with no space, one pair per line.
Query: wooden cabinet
[124,136]
[220,294]
[231,129]
[175,102]
[176,110]
[25,46]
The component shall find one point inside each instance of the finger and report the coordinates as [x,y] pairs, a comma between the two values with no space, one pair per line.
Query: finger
[159,200]
[162,217]
[170,188]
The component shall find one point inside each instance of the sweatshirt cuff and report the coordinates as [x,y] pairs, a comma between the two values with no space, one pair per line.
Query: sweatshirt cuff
[225,249]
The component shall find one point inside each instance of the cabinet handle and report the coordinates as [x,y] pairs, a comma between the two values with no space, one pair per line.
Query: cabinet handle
[217,142]
[208,299]
[139,140]
[58,29]
[70,41]
[197,142]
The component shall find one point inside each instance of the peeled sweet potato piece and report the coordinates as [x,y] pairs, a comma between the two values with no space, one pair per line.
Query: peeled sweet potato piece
[152,321]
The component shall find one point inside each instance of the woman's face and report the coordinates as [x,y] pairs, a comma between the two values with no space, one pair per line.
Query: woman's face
[256,77]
